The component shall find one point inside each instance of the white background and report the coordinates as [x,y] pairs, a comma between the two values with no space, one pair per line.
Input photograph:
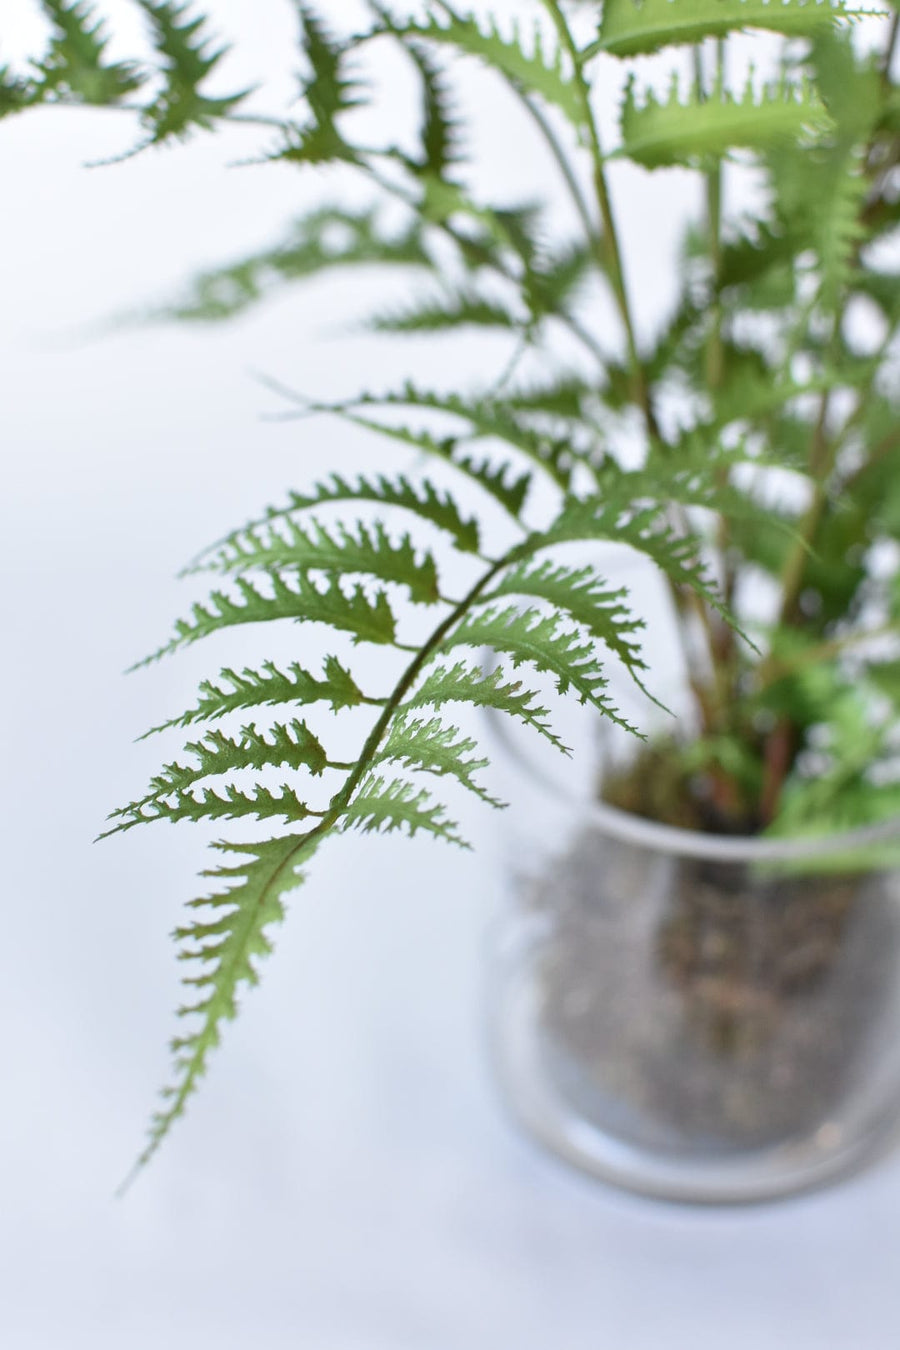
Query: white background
[346,1179]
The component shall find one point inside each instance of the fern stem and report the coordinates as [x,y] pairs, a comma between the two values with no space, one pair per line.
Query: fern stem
[423,654]
[609,250]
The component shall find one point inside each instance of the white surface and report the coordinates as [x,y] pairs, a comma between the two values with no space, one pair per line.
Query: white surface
[345,1180]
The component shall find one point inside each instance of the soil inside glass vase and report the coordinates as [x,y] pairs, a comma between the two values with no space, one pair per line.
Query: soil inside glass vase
[705,1006]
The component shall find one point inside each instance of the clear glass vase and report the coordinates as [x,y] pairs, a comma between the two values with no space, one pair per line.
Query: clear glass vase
[695,1017]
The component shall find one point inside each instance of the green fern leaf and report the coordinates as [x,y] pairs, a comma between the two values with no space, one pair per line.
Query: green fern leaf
[630,29]
[327,238]
[353,612]
[293,746]
[662,133]
[381,807]
[527,66]
[543,642]
[438,313]
[441,133]
[268,687]
[566,397]
[498,481]
[433,747]
[462,683]
[188,59]
[338,551]
[421,499]
[583,595]
[330,88]
[641,527]
[490,419]
[75,67]
[17,94]
[230,804]
[226,942]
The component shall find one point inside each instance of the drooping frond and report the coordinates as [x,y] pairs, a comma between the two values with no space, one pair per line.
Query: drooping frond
[75,66]
[630,29]
[381,807]
[285,546]
[269,687]
[351,611]
[660,133]
[543,641]
[429,745]
[462,683]
[223,945]
[188,59]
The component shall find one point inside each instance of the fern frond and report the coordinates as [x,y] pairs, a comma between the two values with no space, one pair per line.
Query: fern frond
[566,397]
[16,93]
[285,546]
[329,237]
[540,640]
[583,595]
[381,807]
[226,941]
[329,90]
[421,499]
[75,66]
[188,58]
[499,481]
[629,29]
[293,746]
[659,133]
[528,65]
[229,804]
[643,528]
[439,313]
[350,611]
[431,746]
[268,687]
[488,418]
[442,129]
[462,683]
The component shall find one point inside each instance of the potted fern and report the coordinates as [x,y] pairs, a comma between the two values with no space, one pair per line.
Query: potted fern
[701,997]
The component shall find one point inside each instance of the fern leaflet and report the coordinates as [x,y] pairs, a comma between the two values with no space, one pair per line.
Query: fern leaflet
[353,612]
[382,807]
[267,687]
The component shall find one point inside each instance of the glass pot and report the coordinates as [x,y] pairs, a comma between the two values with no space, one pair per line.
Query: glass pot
[694,1017]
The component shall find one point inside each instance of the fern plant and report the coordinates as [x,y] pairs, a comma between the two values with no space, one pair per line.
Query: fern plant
[760,373]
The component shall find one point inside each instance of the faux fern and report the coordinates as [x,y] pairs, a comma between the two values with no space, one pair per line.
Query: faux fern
[758,361]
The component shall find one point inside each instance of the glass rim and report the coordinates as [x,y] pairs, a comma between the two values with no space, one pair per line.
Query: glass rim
[629,828]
